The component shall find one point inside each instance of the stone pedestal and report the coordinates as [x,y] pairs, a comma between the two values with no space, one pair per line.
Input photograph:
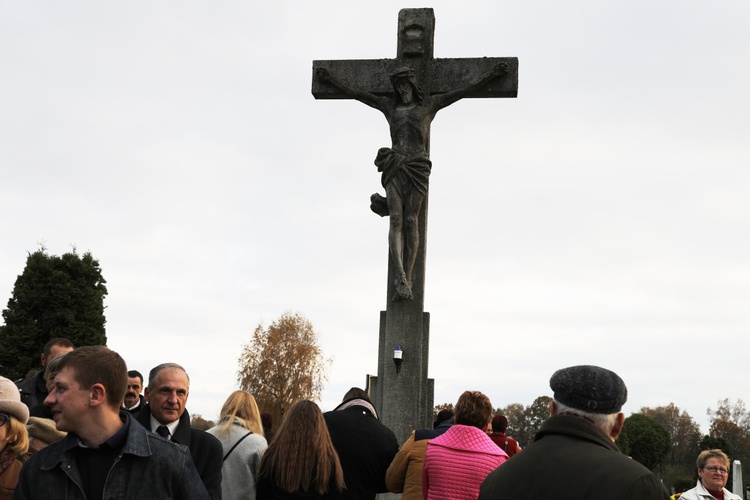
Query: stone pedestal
[403,398]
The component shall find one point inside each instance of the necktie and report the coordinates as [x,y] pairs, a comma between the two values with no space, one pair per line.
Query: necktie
[163,431]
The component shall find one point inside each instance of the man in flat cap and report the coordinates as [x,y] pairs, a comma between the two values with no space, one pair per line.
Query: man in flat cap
[574,456]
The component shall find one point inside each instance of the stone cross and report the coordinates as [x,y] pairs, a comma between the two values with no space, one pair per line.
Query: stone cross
[409,90]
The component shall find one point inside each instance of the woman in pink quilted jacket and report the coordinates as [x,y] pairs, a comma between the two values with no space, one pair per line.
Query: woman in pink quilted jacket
[457,462]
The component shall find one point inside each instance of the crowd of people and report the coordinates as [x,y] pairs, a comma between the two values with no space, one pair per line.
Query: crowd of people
[81,429]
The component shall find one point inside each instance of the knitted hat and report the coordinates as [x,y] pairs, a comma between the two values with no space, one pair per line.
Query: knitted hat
[44,429]
[10,401]
[589,388]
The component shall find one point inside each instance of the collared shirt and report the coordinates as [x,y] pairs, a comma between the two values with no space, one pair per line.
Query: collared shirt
[172,426]
[136,405]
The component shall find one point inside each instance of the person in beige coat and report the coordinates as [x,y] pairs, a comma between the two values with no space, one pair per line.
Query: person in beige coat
[404,475]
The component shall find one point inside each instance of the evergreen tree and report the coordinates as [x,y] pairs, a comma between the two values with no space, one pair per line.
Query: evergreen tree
[645,439]
[53,297]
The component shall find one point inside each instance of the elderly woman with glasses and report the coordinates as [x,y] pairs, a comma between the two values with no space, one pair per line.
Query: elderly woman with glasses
[14,440]
[713,472]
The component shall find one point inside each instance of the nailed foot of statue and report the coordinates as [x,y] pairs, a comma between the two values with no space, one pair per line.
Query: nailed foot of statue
[403,290]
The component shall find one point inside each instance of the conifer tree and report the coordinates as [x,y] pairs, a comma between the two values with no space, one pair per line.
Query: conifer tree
[55,296]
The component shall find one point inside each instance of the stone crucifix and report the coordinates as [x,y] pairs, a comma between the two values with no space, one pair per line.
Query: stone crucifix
[409,91]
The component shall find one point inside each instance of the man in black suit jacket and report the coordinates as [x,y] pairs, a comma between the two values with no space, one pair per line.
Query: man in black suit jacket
[165,414]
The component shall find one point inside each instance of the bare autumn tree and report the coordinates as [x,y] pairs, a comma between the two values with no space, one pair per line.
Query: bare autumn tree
[736,413]
[282,364]
[198,422]
[683,430]
[678,468]
[731,421]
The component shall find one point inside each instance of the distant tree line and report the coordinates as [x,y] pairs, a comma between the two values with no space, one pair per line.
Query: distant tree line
[665,439]
[63,296]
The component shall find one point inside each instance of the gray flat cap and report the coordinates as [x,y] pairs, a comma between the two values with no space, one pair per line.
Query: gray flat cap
[589,388]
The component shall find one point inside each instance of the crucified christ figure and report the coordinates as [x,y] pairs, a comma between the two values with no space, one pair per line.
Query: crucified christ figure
[406,165]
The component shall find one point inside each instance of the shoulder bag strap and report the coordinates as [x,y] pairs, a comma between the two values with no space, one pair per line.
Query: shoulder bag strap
[235,445]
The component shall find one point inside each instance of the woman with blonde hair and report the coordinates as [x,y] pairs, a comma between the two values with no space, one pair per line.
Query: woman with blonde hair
[301,462]
[241,434]
[713,473]
[14,439]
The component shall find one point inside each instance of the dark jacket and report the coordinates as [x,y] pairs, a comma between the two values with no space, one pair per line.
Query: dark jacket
[365,447]
[571,459]
[147,467]
[205,450]
[33,390]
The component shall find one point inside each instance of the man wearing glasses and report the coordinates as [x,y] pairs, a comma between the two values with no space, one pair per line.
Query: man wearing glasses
[713,472]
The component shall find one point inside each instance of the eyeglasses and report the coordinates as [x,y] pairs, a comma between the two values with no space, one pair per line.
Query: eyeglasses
[715,469]
[4,418]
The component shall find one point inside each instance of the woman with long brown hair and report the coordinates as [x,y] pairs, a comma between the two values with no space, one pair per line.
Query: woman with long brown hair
[301,462]
[241,434]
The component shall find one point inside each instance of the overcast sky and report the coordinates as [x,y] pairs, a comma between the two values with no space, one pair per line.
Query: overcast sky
[600,218]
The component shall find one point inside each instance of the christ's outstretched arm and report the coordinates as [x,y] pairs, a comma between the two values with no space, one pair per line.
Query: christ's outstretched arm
[362,96]
[443,100]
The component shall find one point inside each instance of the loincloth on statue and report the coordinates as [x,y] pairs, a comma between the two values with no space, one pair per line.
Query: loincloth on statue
[405,171]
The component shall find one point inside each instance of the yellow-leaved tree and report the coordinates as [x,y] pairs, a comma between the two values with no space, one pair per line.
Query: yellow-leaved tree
[282,364]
